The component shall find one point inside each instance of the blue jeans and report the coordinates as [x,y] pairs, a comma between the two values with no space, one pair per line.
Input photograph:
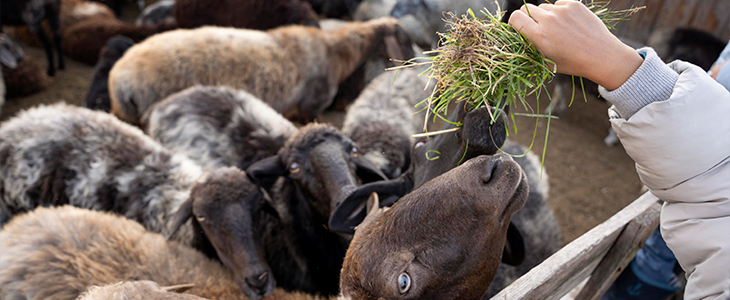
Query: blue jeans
[650,274]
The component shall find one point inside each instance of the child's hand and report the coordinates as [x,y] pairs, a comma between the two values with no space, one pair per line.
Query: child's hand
[577,41]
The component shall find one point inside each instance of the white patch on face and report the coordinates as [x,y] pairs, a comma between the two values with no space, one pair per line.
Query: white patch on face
[88,9]
[377,158]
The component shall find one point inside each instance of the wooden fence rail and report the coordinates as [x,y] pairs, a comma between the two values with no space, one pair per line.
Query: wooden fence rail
[594,259]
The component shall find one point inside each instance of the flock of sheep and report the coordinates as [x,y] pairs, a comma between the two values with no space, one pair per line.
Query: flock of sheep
[197,167]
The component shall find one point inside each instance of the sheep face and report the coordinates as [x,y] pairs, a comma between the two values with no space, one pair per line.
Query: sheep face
[479,136]
[443,240]
[323,165]
[225,204]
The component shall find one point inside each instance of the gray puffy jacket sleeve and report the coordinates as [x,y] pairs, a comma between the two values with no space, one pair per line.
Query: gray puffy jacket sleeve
[674,122]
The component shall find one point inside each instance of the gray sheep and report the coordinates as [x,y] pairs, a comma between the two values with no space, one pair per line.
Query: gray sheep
[382,120]
[60,154]
[295,69]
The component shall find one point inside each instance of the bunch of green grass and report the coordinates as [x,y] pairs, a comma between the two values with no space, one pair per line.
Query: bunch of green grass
[489,63]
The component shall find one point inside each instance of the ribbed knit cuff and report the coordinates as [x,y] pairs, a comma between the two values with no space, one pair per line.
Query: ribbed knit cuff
[653,81]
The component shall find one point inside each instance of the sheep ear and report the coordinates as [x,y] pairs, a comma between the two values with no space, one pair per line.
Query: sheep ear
[514,247]
[367,171]
[182,215]
[393,48]
[265,172]
[352,211]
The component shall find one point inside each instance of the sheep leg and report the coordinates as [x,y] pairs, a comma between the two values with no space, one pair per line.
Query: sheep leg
[55,22]
[38,31]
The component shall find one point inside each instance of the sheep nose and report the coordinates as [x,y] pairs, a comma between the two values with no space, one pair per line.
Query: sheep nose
[491,169]
[258,282]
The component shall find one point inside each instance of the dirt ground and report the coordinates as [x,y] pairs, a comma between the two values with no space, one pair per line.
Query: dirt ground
[589,182]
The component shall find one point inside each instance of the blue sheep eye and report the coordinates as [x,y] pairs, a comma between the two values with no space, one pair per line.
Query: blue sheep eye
[404,283]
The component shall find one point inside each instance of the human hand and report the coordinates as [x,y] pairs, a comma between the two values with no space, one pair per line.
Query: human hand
[572,36]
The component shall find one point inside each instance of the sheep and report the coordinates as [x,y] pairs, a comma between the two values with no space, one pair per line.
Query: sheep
[72,12]
[456,222]
[159,12]
[316,168]
[258,14]
[27,78]
[10,54]
[381,121]
[687,44]
[31,13]
[217,126]
[55,253]
[98,96]
[61,154]
[294,69]
[85,39]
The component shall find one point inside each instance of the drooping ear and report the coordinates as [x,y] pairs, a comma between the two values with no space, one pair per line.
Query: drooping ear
[265,172]
[393,48]
[367,171]
[514,247]
[352,211]
[182,215]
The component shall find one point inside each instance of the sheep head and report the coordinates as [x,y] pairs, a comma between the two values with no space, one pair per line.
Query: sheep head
[323,165]
[225,204]
[442,241]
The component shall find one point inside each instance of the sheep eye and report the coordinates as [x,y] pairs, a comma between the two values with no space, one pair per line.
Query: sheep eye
[200,219]
[294,168]
[404,282]
[354,152]
[419,145]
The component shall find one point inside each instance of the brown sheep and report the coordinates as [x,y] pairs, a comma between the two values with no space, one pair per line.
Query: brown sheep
[96,248]
[251,14]
[72,12]
[84,40]
[294,69]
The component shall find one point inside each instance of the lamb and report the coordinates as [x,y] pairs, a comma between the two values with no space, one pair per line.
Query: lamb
[91,248]
[257,14]
[85,39]
[294,69]
[10,54]
[159,12]
[98,96]
[217,126]
[316,168]
[381,121]
[31,13]
[95,248]
[61,154]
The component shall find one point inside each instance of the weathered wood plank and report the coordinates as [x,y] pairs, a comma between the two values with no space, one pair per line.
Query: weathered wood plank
[621,253]
[561,272]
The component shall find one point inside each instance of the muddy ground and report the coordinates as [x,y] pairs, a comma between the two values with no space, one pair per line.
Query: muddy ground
[589,182]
